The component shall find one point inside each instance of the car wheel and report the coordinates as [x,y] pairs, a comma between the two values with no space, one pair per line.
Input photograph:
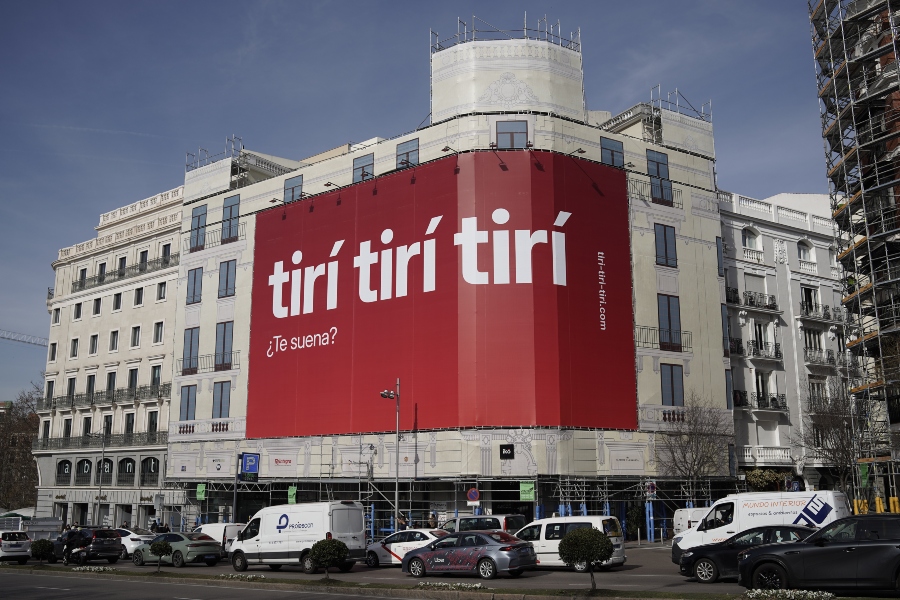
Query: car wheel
[706,571]
[112,560]
[416,567]
[769,577]
[124,553]
[82,558]
[239,561]
[486,569]
[371,560]
[178,559]
[580,567]
[274,567]
[309,565]
[212,562]
[345,567]
[138,558]
[516,572]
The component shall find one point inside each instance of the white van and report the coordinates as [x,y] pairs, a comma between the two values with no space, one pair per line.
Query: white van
[685,518]
[738,512]
[224,533]
[546,534]
[282,535]
[508,523]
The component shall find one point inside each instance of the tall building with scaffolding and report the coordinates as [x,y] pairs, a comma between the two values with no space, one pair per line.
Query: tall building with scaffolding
[855,49]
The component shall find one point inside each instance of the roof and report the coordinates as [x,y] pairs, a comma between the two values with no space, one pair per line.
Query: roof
[814,204]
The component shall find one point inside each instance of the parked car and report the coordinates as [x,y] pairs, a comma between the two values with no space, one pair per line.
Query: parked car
[484,553]
[83,545]
[225,533]
[392,549]
[854,552]
[546,534]
[132,538]
[15,545]
[507,523]
[709,562]
[186,548]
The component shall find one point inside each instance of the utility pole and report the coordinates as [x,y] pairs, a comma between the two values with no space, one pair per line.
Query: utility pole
[396,396]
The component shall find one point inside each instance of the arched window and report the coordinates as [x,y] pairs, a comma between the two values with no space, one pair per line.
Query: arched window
[83,472]
[63,473]
[125,475]
[149,471]
[104,472]
[804,251]
[749,239]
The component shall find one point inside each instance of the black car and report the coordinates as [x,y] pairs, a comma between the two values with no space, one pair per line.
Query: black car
[861,551]
[83,545]
[709,562]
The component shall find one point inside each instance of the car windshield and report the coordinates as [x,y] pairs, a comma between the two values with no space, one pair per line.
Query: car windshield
[15,536]
[503,537]
[840,531]
[198,536]
[139,531]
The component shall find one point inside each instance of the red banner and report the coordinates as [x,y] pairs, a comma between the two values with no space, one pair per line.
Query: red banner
[495,285]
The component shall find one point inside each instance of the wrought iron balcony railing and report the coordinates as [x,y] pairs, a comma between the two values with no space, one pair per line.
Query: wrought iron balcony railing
[104,397]
[767,401]
[208,363]
[764,349]
[209,237]
[758,300]
[816,356]
[739,399]
[732,295]
[736,346]
[116,440]
[670,340]
[119,274]
[657,191]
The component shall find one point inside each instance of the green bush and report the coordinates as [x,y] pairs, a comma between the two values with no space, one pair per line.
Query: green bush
[329,553]
[588,546]
[160,549]
[42,550]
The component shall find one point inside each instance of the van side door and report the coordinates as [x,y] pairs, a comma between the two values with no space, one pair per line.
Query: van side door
[719,524]
[251,541]
[549,551]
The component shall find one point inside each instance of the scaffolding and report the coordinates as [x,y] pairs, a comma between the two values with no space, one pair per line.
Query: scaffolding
[855,48]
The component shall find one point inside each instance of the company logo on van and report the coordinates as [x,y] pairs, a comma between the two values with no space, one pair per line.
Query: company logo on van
[814,513]
[284,522]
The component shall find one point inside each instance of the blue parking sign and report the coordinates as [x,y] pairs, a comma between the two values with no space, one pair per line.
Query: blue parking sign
[249,463]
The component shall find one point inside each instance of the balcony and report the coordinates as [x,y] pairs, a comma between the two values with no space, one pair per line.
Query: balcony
[765,455]
[732,296]
[659,191]
[819,404]
[816,356]
[757,349]
[118,440]
[739,399]
[128,272]
[752,255]
[821,312]
[208,363]
[849,363]
[106,397]
[766,401]
[668,340]
[201,239]
[759,300]
[228,428]
[808,266]
[736,346]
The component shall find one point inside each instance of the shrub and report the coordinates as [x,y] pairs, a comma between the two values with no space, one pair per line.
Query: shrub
[585,545]
[160,549]
[329,553]
[42,550]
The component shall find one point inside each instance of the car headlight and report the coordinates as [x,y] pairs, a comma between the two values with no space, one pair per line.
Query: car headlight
[687,555]
[678,538]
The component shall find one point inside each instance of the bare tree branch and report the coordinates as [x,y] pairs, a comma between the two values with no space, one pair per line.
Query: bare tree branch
[18,472]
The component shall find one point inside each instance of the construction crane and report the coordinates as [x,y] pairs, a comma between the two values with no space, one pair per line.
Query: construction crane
[23,338]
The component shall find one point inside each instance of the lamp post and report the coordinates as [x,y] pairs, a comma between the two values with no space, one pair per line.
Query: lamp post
[396,396]
[102,435]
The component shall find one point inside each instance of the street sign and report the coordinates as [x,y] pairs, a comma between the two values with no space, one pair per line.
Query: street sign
[473,495]
[526,491]
[249,467]
[507,451]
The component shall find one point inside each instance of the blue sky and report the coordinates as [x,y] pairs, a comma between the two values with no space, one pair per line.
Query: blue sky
[100,100]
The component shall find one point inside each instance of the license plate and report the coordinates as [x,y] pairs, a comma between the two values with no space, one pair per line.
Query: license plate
[208,556]
[15,545]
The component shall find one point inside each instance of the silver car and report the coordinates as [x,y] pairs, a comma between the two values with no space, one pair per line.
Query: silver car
[484,553]
[132,538]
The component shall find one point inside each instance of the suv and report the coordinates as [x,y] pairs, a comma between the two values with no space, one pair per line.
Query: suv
[83,545]
[15,545]
[507,523]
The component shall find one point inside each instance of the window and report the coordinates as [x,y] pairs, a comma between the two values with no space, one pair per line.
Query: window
[82,276]
[761,382]
[230,212]
[111,381]
[672,385]
[512,134]
[408,154]
[812,339]
[152,421]
[227,271]
[55,319]
[46,432]
[198,228]
[135,336]
[52,351]
[804,252]
[73,351]
[363,167]
[221,399]
[63,472]
[749,239]
[67,428]
[139,296]
[70,387]
[129,423]
[293,189]
[155,375]
[665,246]
[224,334]
[188,402]
[117,301]
[660,186]
[86,426]
[720,257]
[612,152]
[142,260]
[166,253]
[76,311]
[729,390]
[669,310]
[107,425]
[157,332]
[726,333]
[91,384]
[101,272]
[194,285]
[161,290]
[123,262]
[97,303]
[191,349]
[132,379]
[94,343]
[113,340]
[50,386]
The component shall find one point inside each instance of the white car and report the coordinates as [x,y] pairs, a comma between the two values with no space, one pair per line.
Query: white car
[132,538]
[391,550]
[15,545]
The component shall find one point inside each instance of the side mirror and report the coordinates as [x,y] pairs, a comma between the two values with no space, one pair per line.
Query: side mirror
[820,542]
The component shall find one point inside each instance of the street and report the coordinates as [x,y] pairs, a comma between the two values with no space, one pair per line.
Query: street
[649,568]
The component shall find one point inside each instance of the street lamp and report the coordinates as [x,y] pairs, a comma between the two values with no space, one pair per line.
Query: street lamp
[396,396]
[102,435]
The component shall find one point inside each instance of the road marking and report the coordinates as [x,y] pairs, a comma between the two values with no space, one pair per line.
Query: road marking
[40,587]
[179,598]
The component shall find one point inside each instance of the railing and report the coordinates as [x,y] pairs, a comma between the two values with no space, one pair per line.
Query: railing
[766,454]
[835,272]
[63,479]
[669,340]
[736,346]
[210,237]
[149,479]
[658,192]
[124,478]
[208,363]
[753,255]
[759,300]
[767,401]
[104,397]
[118,440]
[231,427]
[119,274]
[817,356]
[49,293]
[83,478]
[820,311]
[817,403]
[849,362]
[739,399]
[754,204]
[673,416]
[808,266]
[764,349]
[732,295]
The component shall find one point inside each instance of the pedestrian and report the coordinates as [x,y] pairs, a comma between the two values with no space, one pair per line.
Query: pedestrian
[432,520]
[124,524]
[154,526]
[401,522]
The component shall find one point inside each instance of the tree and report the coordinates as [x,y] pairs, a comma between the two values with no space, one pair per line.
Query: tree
[585,546]
[42,550]
[18,425]
[160,549]
[694,441]
[329,553]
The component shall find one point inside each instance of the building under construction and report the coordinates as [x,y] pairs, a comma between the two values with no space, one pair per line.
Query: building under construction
[855,45]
